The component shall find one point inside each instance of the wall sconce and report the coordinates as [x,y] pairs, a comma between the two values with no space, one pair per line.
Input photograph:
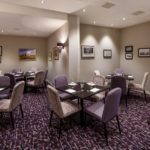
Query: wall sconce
[60,46]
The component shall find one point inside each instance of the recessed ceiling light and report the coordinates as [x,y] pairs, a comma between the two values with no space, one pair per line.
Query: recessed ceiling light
[138,13]
[42,1]
[123,18]
[83,10]
[2,30]
[108,5]
[94,22]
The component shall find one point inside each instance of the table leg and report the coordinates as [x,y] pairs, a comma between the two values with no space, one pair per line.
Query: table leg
[82,113]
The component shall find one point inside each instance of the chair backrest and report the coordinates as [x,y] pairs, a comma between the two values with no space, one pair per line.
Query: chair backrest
[38,80]
[111,104]
[16,70]
[4,81]
[12,79]
[118,71]
[54,100]
[61,81]
[45,74]
[99,80]
[17,94]
[119,81]
[145,79]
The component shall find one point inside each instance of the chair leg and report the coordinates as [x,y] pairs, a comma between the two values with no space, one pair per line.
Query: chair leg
[117,118]
[60,124]
[12,121]
[126,99]
[128,92]
[51,118]
[105,130]
[21,111]
[145,95]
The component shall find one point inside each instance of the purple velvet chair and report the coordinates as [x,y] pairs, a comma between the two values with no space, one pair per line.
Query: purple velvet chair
[12,80]
[61,81]
[120,81]
[5,83]
[109,110]
[118,71]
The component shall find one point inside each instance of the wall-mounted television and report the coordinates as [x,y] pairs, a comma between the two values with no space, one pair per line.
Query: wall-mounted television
[27,53]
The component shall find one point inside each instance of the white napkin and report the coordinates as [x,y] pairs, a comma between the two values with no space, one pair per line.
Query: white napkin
[1,89]
[71,90]
[72,84]
[94,90]
[91,83]
[130,76]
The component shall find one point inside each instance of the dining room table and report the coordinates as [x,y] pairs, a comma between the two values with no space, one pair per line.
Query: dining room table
[82,91]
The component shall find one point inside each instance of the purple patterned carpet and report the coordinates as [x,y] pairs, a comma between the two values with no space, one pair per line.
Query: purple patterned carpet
[33,132]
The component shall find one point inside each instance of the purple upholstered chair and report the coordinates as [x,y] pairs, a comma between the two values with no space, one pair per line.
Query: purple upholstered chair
[109,110]
[118,71]
[12,80]
[61,81]
[120,81]
[4,83]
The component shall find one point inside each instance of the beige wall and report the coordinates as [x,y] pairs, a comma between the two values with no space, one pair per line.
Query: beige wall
[139,37]
[10,57]
[101,38]
[57,67]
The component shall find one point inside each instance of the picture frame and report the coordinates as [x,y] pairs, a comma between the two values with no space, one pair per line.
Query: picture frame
[107,53]
[144,52]
[128,56]
[129,48]
[87,51]
[27,54]
[1,50]
[49,56]
[56,53]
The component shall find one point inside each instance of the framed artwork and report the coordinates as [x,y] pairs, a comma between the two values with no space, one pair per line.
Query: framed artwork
[128,48]
[50,56]
[0,50]
[128,56]
[144,52]
[87,51]
[28,54]
[107,53]
[56,53]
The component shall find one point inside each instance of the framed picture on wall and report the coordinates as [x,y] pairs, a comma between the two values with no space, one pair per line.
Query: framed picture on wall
[144,52]
[28,54]
[56,53]
[49,56]
[128,48]
[128,56]
[107,53]
[87,51]
[0,50]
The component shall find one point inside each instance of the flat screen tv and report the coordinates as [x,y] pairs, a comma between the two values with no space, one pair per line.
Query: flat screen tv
[27,53]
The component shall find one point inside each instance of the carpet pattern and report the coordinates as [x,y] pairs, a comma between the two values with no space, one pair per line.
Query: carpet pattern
[33,132]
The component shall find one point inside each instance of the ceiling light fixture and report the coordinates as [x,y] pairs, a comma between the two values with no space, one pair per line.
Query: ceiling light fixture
[42,1]
[83,10]
[94,22]
[123,18]
[2,30]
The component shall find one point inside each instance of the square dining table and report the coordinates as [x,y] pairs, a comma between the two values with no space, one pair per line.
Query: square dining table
[83,91]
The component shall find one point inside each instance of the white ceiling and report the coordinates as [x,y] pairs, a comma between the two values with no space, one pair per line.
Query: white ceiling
[31,18]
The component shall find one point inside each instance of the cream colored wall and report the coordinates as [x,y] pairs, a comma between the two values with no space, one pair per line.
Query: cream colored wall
[139,37]
[57,67]
[101,38]
[10,57]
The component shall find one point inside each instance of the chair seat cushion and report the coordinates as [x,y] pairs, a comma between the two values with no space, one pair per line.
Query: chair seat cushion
[98,96]
[64,96]
[96,110]
[69,107]
[4,105]
[135,86]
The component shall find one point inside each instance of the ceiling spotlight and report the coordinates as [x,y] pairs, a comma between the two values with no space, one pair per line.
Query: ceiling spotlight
[94,22]
[83,10]
[2,30]
[123,18]
[42,1]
